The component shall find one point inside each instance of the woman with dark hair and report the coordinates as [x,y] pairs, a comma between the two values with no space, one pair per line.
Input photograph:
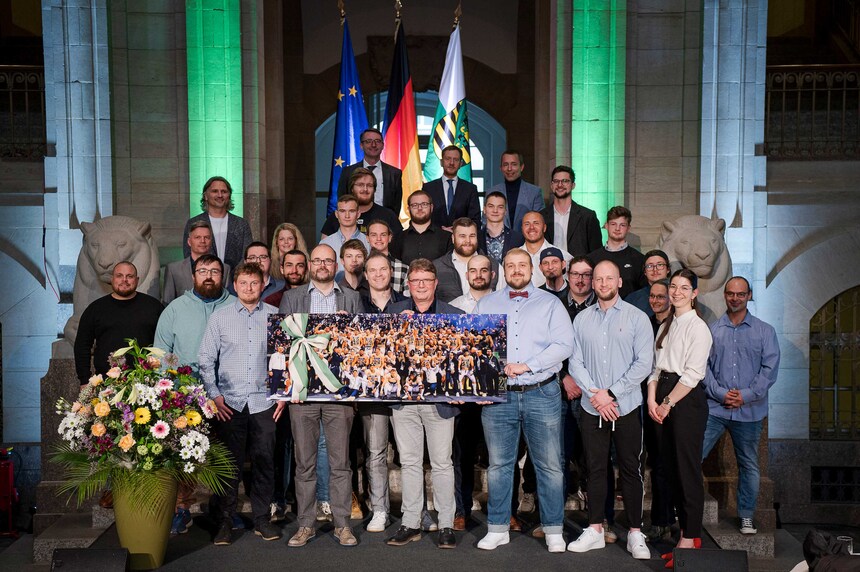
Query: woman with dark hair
[677,403]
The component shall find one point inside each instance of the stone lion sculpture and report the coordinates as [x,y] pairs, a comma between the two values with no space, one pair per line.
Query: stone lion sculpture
[106,242]
[698,243]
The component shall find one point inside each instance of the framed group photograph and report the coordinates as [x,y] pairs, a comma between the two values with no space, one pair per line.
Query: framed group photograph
[405,358]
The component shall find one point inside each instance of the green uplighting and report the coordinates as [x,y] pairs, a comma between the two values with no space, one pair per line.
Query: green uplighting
[599,69]
[214,54]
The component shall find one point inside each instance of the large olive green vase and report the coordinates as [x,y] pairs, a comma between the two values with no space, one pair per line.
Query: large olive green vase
[144,532]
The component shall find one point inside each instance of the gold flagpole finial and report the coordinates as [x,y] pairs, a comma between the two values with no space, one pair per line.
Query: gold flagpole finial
[398,6]
[457,13]
[342,8]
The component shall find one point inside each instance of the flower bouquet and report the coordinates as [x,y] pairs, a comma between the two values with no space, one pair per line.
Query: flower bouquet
[141,426]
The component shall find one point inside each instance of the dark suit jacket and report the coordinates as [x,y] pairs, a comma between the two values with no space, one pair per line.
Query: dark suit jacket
[513,239]
[583,229]
[465,202]
[178,278]
[445,410]
[298,301]
[392,181]
[238,237]
[449,279]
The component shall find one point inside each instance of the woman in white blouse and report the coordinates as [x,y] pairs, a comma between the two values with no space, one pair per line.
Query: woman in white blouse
[676,402]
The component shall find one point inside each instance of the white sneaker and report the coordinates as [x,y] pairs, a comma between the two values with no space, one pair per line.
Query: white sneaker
[555,542]
[324,511]
[493,540]
[747,526]
[637,547]
[379,522]
[590,539]
[527,504]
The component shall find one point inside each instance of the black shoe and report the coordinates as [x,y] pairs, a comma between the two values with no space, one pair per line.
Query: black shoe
[225,534]
[404,536]
[447,538]
[267,531]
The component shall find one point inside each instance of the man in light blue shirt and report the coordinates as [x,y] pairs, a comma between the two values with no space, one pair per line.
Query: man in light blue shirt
[741,369]
[613,351]
[232,362]
[539,339]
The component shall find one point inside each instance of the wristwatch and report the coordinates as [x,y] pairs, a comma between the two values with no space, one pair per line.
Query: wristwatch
[667,401]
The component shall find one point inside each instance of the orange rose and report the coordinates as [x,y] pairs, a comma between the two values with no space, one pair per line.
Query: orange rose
[98,430]
[126,442]
[102,408]
[180,422]
[114,373]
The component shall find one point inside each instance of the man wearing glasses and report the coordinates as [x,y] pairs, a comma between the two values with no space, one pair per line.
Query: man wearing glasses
[656,268]
[179,275]
[258,253]
[389,185]
[322,296]
[423,238]
[572,227]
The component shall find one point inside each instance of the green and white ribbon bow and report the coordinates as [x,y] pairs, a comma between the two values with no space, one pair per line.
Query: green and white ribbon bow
[304,348]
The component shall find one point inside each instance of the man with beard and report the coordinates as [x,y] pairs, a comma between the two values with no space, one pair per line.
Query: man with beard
[613,351]
[423,239]
[534,231]
[322,296]
[539,339]
[389,191]
[180,330]
[521,196]
[294,269]
[379,235]
[179,275]
[630,261]
[258,253]
[573,227]
[231,234]
[552,268]
[108,321]
[232,362]
[362,185]
[452,197]
[452,268]
[480,274]
[656,268]
[742,368]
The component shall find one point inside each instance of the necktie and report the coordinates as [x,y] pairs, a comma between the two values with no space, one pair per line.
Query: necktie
[450,194]
[513,294]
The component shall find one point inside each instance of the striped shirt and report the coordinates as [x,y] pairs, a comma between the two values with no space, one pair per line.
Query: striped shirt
[232,356]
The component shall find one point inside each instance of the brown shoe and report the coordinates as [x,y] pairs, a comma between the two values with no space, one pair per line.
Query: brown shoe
[345,536]
[515,525]
[460,523]
[538,532]
[301,537]
[356,513]
[107,500]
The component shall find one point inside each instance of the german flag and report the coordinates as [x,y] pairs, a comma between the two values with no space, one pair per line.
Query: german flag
[400,130]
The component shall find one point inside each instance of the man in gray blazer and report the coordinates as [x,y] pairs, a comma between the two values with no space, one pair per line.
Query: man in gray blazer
[413,422]
[322,296]
[452,268]
[231,234]
[179,275]
[521,196]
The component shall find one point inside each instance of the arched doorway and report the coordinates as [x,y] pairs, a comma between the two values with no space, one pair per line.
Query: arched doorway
[488,140]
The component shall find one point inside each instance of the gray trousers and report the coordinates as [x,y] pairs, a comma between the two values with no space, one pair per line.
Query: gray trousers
[411,423]
[375,421]
[336,421]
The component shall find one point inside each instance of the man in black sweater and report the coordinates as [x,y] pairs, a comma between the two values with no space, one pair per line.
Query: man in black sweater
[630,261]
[107,322]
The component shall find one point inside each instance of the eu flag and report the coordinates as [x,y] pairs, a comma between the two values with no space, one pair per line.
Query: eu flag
[351,119]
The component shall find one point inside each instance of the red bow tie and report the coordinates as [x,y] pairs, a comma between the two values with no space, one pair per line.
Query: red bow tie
[513,294]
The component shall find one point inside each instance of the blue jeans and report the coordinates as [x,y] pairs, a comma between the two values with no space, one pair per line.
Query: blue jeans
[745,439]
[538,413]
[323,469]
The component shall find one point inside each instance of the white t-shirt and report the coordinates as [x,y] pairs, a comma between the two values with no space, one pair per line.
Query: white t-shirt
[219,234]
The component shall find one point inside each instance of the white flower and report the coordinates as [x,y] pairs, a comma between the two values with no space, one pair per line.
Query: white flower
[188,468]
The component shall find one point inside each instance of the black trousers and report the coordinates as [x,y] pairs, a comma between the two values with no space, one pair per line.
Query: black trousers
[468,434]
[626,435]
[260,428]
[662,507]
[681,438]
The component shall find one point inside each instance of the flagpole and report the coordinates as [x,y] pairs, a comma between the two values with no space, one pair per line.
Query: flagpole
[342,8]
[398,6]
[458,11]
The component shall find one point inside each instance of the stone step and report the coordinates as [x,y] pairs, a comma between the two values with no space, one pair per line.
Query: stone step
[727,536]
[72,530]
